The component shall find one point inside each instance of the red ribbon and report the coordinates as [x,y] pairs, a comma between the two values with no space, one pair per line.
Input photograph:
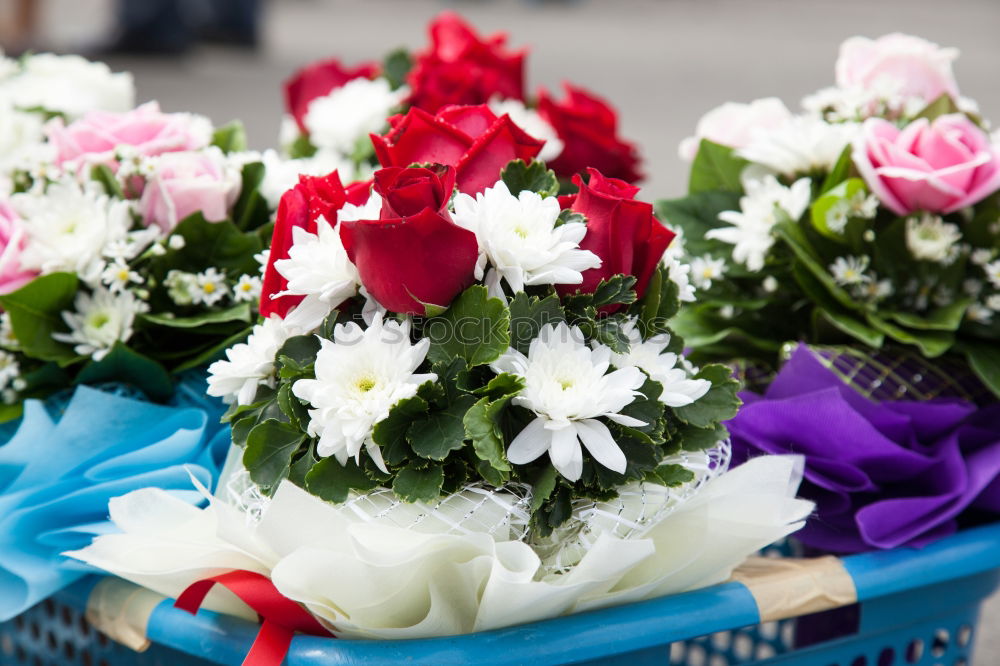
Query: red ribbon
[280,616]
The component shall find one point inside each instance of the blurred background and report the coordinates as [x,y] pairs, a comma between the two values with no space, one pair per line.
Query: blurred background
[662,63]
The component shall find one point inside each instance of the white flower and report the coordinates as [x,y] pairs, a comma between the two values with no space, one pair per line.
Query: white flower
[68,227]
[210,287]
[872,289]
[531,122]
[930,238]
[118,276]
[992,271]
[850,270]
[280,174]
[568,387]
[751,234]
[7,338]
[861,205]
[181,286]
[70,85]
[10,370]
[134,243]
[972,286]
[981,256]
[806,145]
[770,284]
[993,302]
[979,313]
[249,364]
[247,288]
[667,369]
[519,237]
[101,319]
[359,107]
[360,376]
[317,268]
[262,258]
[680,274]
[22,142]
[705,269]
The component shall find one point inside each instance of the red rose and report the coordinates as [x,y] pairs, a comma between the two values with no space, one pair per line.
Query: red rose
[620,230]
[470,138]
[461,68]
[414,254]
[317,80]
[302,206]
[588,128]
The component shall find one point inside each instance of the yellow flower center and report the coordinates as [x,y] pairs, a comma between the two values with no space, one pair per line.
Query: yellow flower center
[209,288]
[366,384]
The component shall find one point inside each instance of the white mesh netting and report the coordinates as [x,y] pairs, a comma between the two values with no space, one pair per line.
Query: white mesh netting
[504,512]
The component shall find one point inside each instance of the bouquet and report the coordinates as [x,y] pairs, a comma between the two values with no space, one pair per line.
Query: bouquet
[132,238]
[871,219]
[332,108]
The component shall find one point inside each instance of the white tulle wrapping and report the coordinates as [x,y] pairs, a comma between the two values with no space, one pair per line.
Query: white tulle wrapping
[376,580]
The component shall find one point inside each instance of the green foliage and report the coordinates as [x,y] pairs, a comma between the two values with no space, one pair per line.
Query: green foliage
[36,313]
[528,314]
[441,432]
[240,312]
[419,485]
[475,328]
[822,206]
[719,404]
[716,168]
[251,210]
[269,450]
[106,177]
[396,67]
[231,138]
[534,177]
[330,480]
[123,364]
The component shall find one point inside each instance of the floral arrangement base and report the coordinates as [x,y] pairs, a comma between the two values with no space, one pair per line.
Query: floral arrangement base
[715,625]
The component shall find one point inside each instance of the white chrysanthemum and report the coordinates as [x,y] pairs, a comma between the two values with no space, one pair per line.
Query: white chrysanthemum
[979,313]
[930,238]
[531,122]
[349,113]
[209,287]
[883,98]
[68,227]
[118,275]
[872,289]
[135,243]
[317,268]
[249,364]
[806,145]
[751,234]
[981,256]
[706,268]
[370,210]
[247,288]
[850,270]
[101,319]
[679,389]
[22,142]
[568,387]
[280,174]
[993,302]
[70,85]
[680,274]
[520,239]
[360,375]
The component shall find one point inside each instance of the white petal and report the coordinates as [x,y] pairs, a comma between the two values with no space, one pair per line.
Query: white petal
[626,420]
[601,445]
[530,443]
[566,454]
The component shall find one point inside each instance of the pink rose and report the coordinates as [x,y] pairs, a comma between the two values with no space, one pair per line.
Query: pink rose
[12,242]
[938,166]
[186,183]
[733,124]
[917,67]
[93,138]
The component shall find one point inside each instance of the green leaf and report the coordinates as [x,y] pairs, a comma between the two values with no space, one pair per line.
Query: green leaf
[542,487]
[820,209]
[534,177]
[616,290]
[106,177]
[419,485]
[269,451]
[251,210]
[696,214]
[609,332]
[930,343]
[213,352]
[301,349]
[500,386]
[440,433]
[36,313]
[984,359]
[658,305]
[796,239]
[396,67]
[568,216]
[946,318]
[482,426]
[528,314]
[719,404]
[333,482]
[692,438]
[830,310]
[218,244]
[475,328]
[238,312]
[670,475]
[716,167]
[231,138]
[123,364]
[840,172]
[300,467]
[301,147]
[941,106]
[390,432]
[292,407]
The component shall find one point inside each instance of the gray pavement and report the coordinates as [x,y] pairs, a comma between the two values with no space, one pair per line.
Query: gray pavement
[662,62]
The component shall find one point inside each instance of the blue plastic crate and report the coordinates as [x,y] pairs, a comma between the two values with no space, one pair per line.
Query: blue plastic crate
[916,607]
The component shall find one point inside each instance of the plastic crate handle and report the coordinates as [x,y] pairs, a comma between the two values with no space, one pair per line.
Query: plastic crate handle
[789,587]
